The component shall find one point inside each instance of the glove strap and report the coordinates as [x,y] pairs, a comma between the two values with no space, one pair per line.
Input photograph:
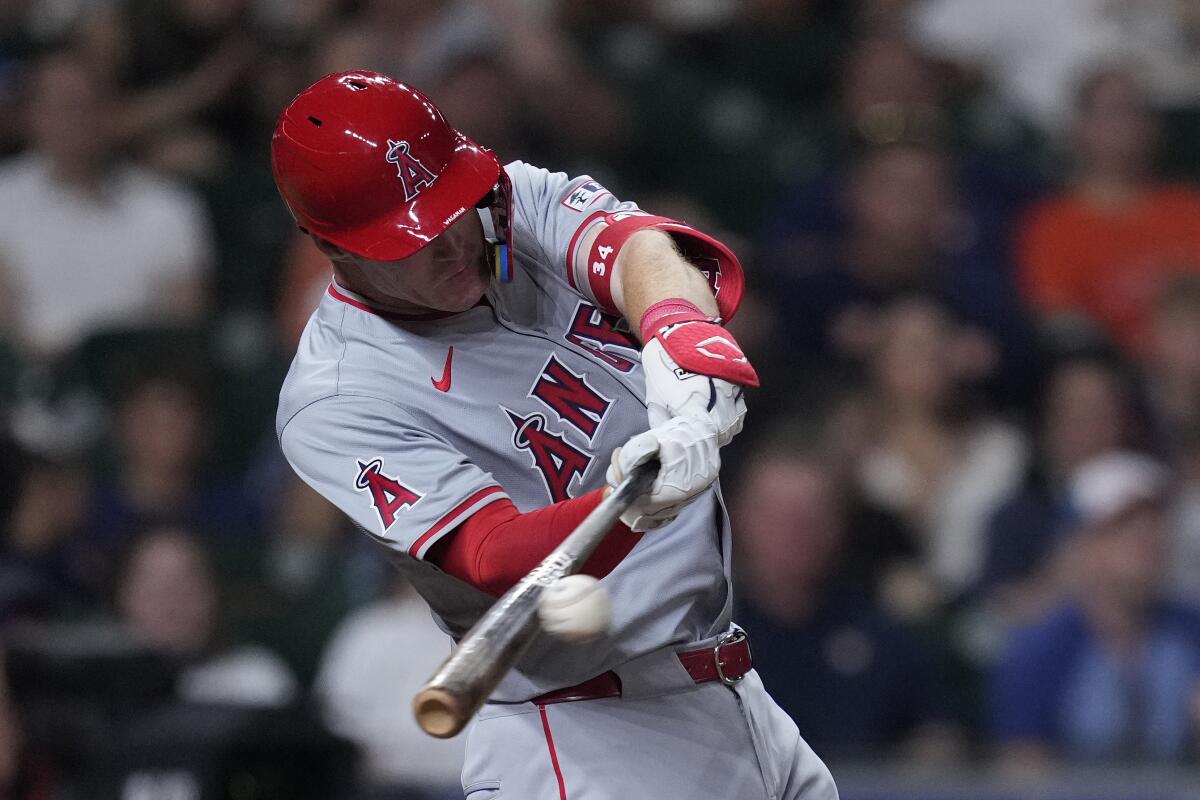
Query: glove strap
[696,342]
[668,312]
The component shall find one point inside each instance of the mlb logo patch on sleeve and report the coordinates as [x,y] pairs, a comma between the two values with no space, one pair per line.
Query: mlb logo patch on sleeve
[583,195]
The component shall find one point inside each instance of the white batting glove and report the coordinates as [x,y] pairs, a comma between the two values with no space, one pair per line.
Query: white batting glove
[672,391]
[690,459]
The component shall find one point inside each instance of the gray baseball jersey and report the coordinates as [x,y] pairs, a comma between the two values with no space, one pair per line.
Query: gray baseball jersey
[410,426]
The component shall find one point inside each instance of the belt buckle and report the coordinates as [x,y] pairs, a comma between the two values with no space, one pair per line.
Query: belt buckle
[735,636]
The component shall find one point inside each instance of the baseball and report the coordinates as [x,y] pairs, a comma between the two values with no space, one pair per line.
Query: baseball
[575,608]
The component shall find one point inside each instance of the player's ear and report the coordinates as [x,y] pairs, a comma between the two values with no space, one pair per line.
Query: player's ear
[329,248]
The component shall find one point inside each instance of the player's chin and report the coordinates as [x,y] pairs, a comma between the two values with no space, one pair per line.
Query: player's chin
[462,296]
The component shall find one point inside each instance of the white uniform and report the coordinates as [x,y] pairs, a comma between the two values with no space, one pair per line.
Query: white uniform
[410,426]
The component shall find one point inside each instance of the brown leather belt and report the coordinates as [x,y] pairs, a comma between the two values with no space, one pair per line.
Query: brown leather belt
[728,662]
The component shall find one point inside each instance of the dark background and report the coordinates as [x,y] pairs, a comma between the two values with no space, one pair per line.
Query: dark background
[971,231]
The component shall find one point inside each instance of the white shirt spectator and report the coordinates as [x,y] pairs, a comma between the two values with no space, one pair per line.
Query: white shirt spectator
[376,662]
[245,676]
[1183,562]
[1037,51]
[990,464]
[79,261]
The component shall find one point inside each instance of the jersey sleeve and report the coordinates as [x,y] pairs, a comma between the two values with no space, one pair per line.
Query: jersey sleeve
[405,487]
[554,214]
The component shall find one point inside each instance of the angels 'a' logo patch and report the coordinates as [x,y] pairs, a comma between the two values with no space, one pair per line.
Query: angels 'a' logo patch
[414,176]
[388,495]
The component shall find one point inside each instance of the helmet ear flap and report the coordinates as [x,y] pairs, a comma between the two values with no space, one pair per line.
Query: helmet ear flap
[497,204]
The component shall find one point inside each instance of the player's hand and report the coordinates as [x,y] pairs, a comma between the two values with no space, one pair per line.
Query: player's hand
[673,392]
[693,367]
[690,459]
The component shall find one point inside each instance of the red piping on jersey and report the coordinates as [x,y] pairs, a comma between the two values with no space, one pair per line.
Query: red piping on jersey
[442,523]
[562,786]
[587,223]
[361,306]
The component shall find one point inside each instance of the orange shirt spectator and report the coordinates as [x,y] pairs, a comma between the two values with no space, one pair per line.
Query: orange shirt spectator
[1109,263]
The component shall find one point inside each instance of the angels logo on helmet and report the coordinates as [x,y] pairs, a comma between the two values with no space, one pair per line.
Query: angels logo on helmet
[414,176]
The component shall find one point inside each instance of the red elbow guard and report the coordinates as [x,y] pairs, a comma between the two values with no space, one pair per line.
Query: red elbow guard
[716,261]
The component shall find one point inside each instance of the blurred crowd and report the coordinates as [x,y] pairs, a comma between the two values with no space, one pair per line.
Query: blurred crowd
[967,501]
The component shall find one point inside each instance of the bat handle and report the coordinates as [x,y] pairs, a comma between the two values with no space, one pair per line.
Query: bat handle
[637,483]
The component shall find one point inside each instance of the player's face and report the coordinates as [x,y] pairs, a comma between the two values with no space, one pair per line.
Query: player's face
[450,273]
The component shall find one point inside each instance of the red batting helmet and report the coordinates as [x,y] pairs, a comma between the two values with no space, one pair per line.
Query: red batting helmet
[370,164]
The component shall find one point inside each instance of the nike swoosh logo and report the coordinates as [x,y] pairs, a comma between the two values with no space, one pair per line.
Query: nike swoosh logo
[443,385]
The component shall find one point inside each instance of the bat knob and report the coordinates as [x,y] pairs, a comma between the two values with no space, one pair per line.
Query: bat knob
[440,713]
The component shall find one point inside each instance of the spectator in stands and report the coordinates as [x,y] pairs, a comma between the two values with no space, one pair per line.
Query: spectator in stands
[306,277]
[181,64]
[1183,571]
[886,92]
[1033,51]
[1112,673]
[1106,246]
[167,593]
[311,572]
[162,436]
[10,736]
[1173,390]
[1086,410]
[42,530]
[86,239]
[252,229]
[939,462]
[360,687]
[835,426]
[1173,359]
[17,46]
[853,679]
[548,86]
[902,213]
[23,776]
[301,23]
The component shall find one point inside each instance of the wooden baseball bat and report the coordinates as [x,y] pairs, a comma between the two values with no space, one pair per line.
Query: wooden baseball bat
[486,653]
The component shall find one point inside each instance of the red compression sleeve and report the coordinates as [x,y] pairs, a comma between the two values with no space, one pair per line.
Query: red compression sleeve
[498,545]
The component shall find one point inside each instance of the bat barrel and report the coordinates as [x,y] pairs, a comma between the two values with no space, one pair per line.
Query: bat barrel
[473,671]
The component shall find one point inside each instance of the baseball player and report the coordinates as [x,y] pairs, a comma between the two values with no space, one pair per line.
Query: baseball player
[492,333]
